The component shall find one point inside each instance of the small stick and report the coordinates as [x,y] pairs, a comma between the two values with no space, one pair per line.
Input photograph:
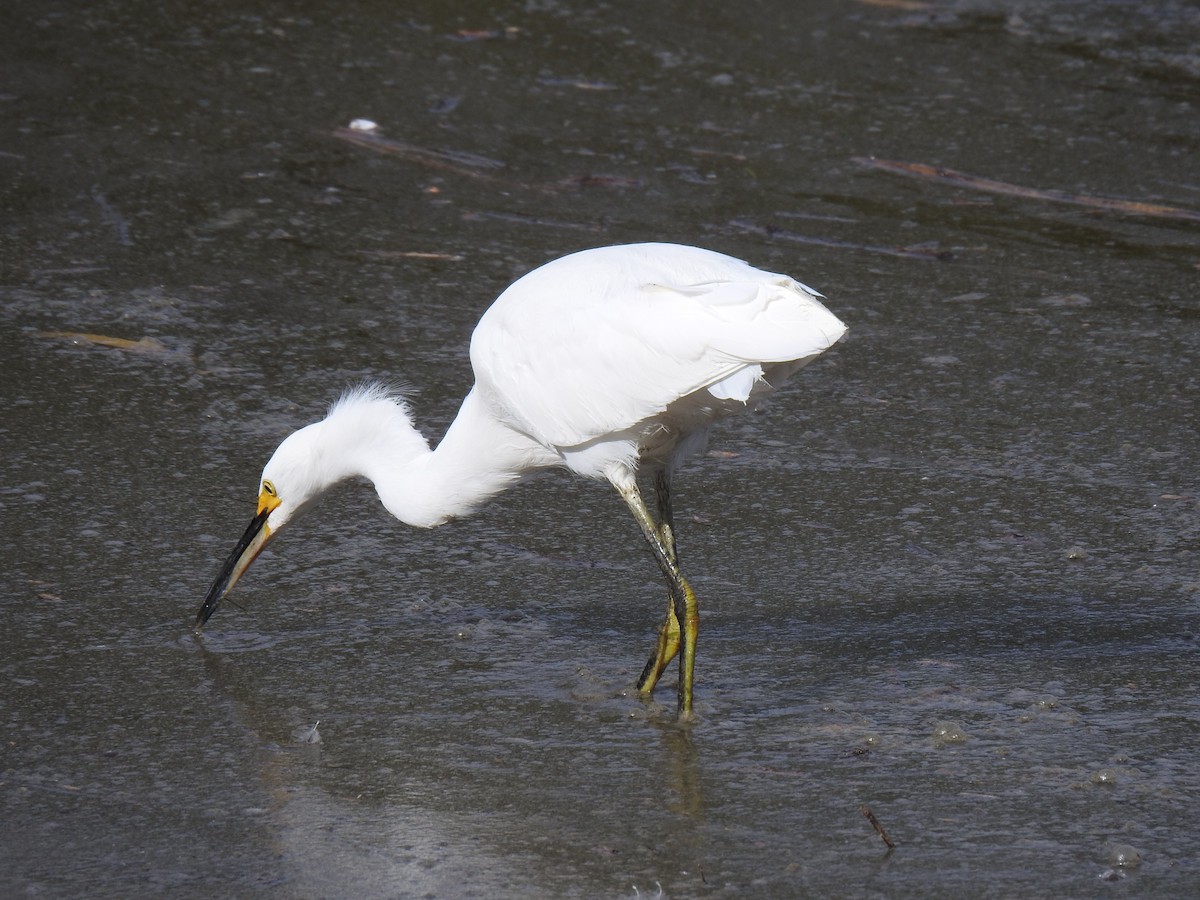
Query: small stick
[991,186]
[866,811]
[144,345]
[412,254]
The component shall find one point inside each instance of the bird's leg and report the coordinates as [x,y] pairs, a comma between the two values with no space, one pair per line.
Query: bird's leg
[664,651]
[678,633]
[668,632]
[682,601]
[666,519]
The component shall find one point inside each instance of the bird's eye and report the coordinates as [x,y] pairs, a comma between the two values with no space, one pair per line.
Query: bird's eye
[268,488]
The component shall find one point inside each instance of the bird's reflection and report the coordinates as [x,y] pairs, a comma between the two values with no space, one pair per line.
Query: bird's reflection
[682,764]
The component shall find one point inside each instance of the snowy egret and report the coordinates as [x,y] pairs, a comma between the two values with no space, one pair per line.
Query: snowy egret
[609,362]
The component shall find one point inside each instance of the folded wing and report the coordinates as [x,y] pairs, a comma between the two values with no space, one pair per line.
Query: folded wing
[600,341]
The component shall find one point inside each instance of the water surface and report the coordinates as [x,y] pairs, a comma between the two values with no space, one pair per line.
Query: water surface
[949,574]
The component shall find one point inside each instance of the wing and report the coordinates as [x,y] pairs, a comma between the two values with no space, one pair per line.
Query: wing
[599,341]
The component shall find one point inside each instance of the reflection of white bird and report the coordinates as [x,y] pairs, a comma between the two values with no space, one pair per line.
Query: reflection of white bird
[608,362]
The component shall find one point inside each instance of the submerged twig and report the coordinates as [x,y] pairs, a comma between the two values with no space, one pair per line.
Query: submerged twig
[866,811]
[991,186]
[471,165]
[914,252]
[450,160]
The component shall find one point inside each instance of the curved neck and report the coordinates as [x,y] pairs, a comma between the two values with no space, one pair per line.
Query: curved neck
[477,459]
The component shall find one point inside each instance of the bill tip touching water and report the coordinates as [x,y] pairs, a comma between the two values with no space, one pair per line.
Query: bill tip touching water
[613,363]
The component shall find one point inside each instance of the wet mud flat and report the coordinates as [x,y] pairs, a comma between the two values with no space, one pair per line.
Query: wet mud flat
[949,575]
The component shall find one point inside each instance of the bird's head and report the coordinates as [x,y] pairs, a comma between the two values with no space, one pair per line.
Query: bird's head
[297,473]
[366,432]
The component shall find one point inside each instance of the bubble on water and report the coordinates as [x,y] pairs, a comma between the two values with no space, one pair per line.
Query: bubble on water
[1076,552]
[948,733]
[1124,855]
[1104,776]
[307,734]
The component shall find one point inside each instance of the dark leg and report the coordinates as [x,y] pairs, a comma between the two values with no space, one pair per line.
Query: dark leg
[672,638]
[668,632]
[666,519]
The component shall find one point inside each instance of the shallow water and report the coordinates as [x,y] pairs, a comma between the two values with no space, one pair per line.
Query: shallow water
[949,574]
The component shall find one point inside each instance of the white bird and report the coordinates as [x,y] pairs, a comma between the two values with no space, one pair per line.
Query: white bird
[609,362]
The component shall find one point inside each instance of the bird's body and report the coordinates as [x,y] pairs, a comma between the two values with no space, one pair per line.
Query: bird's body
[608,362]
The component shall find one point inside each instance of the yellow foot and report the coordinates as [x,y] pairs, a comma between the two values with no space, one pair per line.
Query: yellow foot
[664,652]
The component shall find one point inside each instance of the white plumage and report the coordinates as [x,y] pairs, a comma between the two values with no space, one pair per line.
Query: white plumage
[622,333]
[607,362]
